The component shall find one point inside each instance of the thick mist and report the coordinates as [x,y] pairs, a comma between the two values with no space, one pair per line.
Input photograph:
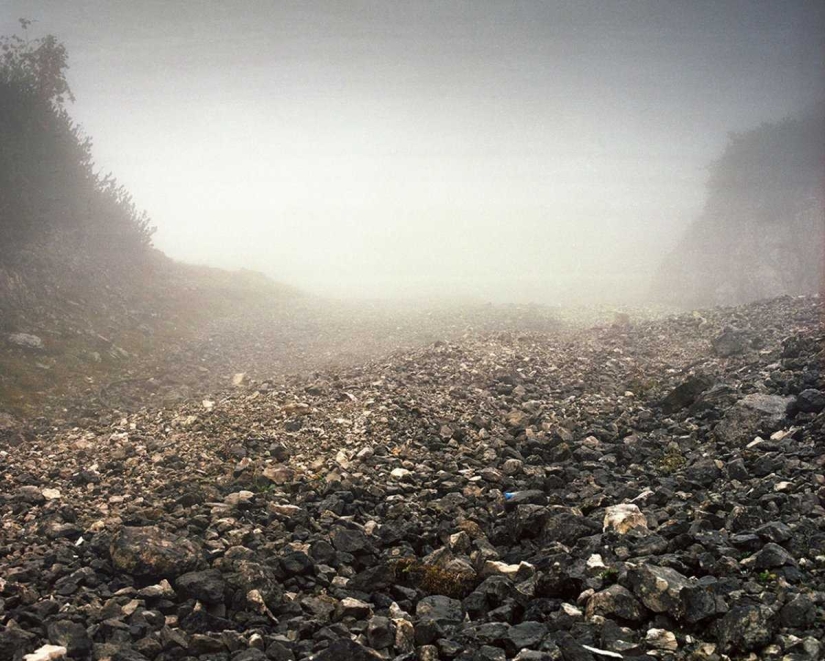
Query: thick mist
[504,151]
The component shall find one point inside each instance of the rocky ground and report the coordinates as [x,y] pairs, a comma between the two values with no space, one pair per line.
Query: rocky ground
[637,489]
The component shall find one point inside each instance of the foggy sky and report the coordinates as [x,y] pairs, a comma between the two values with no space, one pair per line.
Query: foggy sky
[505,150]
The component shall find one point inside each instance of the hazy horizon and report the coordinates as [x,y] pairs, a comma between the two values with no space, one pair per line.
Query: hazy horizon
[504,151]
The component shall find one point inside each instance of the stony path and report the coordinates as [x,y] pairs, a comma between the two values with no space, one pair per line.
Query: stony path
[654,488]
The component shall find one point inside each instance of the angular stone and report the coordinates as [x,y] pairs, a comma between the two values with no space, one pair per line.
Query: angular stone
[207,586]
[568,528]
[753,414]
[348,540]
[524,635]
[730,342]
[746,629]
[380,632]
[623,518]
[72,636]
[686,393]
[615,601]
[441,609]
[659,588]
[772,556]
[810,400]
[798,612]
[151,553]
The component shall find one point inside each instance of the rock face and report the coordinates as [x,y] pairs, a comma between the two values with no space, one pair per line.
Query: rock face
[761,233]
[515,495]
[148,552]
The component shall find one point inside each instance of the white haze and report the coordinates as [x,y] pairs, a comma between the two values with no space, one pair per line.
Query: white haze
[514,151]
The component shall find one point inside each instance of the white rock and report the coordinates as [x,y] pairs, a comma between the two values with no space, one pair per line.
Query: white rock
[595,563]
[400,473]
[27,341]
[661,639]
[239,498]
[624,518]
[288,511]
[51,494]
[46,653]
[600,652]
[571,611]
[238,379]
[162,589]
[512,466]
[520,571]
[342,459]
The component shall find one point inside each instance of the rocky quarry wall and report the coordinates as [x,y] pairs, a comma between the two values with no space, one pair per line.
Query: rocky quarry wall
[762,232]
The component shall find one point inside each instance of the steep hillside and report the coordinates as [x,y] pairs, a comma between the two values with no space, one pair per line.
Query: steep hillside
[762,233]
[84,298]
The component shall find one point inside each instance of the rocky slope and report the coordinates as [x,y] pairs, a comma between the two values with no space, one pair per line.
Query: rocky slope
[641,488]
[72,323]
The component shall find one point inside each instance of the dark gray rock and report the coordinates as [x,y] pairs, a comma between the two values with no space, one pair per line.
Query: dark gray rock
[72,636]
[348,540]
[380,633]
[349,650]
[730,342]
[568,528]
[811,400]
[772,556]
[524,635]
[750,416]
[277,651]
[703,472]
[14,643]
[251,654]
[746,629]
[659,588]
[297,563]
[686,393]
[701,601]
[798,612]
[441,609]
[207,586]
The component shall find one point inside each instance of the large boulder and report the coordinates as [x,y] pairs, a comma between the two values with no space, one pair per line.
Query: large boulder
[752,415]
[149,552]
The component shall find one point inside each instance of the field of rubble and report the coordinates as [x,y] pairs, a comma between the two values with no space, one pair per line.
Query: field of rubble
[635,489]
